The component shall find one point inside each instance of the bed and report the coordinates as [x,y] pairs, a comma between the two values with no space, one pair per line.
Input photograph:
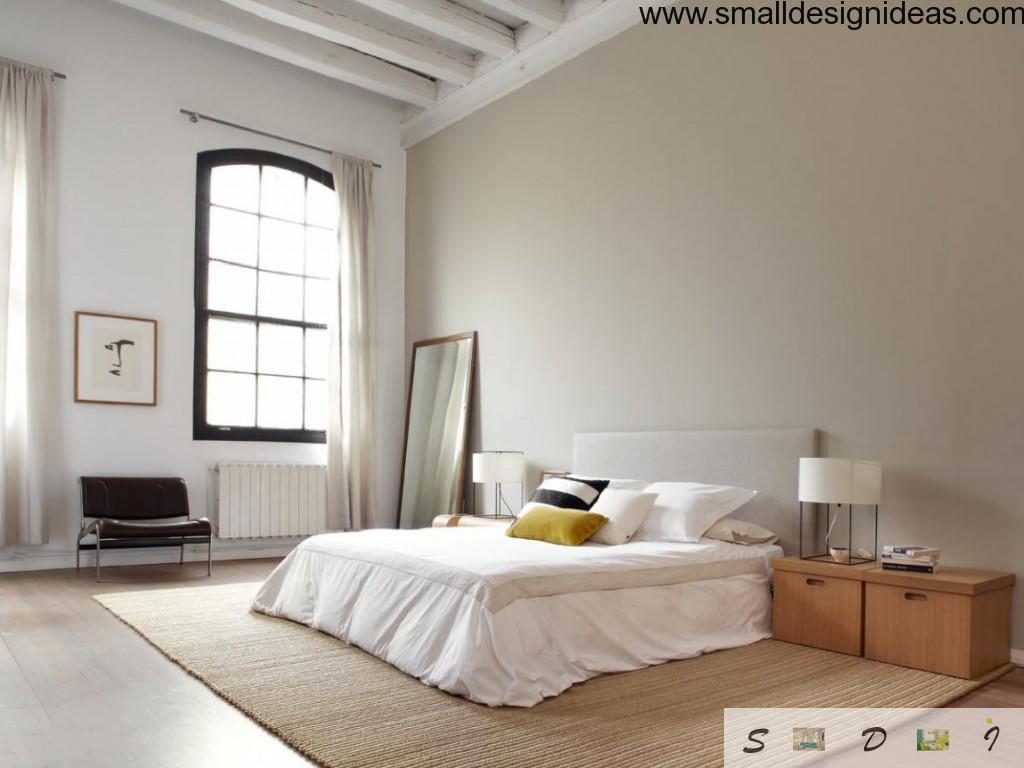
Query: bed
[505,621]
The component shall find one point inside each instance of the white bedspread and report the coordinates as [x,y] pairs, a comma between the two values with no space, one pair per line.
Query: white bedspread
[506,621]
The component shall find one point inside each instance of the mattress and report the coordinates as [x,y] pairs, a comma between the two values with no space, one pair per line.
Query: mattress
[506,621]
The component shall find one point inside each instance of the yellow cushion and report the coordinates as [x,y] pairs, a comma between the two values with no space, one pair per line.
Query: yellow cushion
[556,525]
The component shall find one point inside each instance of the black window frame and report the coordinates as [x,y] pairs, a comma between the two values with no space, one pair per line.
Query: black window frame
[205,163]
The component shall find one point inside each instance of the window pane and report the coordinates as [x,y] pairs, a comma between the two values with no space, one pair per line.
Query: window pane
[283,194]
[280,296]
[321,205]
[280,349]
[230,399]
[231,288]
[236,186]
[231,345]
[316,353]
[316,405]
[280,404]
[281,246]
[317,301]
[232,236]
[321,245]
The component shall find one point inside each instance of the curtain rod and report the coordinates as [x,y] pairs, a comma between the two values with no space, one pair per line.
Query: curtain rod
[53,75]
[195,117]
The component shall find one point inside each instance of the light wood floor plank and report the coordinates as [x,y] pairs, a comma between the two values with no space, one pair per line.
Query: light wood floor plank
[15,692]
[23,733]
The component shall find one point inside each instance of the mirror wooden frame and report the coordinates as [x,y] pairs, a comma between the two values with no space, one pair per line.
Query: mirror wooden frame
[464,451]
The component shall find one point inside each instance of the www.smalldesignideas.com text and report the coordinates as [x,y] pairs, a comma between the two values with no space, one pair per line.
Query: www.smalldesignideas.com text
[850,16]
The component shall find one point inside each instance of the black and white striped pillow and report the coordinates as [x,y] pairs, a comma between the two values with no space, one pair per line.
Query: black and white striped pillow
[569,492]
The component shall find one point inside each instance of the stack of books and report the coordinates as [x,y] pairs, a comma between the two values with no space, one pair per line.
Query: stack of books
[918,559]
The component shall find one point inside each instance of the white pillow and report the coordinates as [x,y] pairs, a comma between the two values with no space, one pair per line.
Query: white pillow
[683,511]
[740,532]
[625,511]
[618,483]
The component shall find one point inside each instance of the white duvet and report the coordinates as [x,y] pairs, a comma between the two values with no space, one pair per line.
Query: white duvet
[506,621]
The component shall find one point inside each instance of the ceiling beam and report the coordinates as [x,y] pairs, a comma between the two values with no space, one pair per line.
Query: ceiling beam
[306,16]
[588,22]
[452,21]
[546,14]
[231,25]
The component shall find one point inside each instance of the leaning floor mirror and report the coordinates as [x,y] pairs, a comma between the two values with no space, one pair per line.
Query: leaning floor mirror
[436,429]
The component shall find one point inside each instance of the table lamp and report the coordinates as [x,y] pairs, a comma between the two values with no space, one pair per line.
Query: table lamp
[499,467]
[853,482]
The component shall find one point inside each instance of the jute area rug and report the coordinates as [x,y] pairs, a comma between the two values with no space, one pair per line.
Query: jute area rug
[340,706]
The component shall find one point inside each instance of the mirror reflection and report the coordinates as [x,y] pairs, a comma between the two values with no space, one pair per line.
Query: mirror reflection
[436,429]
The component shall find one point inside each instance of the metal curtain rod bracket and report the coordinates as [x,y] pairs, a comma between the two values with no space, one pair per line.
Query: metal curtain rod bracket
[195,117]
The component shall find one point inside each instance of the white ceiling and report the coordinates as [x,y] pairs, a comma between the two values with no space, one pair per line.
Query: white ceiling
[443,59]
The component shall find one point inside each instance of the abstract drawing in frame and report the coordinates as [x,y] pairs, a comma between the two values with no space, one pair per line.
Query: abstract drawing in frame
[115,359]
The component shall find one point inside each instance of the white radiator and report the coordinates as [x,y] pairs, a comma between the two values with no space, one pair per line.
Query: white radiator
[265,500]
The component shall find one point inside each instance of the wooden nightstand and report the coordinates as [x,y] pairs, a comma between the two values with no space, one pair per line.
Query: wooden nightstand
[469,521]
[955,622]
[820,604]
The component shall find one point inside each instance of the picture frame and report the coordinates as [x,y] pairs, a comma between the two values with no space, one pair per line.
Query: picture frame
[115,359]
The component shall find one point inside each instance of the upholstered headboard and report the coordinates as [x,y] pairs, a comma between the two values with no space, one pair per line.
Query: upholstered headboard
[765,460]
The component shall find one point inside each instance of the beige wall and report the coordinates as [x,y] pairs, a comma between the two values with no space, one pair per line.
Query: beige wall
[742,228]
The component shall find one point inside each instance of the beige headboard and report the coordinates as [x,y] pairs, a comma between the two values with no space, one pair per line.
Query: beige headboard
[765,460]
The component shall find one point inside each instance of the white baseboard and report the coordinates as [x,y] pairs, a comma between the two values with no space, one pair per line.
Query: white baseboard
[1017,656]
[38,559]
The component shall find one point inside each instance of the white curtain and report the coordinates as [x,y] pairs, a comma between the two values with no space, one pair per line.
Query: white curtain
[350,463]
[26,297]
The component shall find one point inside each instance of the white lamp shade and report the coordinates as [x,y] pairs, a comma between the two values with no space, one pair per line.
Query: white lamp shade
[840,481]
[495,467]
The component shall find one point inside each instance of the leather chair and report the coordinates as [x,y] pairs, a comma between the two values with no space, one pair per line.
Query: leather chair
[122,510]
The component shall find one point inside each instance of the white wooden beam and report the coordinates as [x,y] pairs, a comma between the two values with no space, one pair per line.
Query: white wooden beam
[219,20]
[589,22]
[546,14]
[307,16]
[452,21]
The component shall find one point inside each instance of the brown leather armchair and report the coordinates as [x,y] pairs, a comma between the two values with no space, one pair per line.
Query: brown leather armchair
[120,511]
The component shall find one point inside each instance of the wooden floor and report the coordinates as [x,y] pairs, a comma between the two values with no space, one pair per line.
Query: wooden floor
[80,689]
[1007,691]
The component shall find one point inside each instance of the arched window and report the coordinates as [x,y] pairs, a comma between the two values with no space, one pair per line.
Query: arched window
[265,247]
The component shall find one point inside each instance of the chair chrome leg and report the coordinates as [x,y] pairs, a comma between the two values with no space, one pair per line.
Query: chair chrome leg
[85,530]
[97,558]
[181,556]
[209,557]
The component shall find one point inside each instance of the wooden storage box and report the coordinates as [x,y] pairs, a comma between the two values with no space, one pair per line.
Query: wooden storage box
[955,622]
[819,604]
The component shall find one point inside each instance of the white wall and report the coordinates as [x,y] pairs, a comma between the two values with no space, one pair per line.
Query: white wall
[748,227]
[125,212]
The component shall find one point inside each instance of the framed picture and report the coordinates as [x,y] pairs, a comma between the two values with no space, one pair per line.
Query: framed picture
[115,359]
